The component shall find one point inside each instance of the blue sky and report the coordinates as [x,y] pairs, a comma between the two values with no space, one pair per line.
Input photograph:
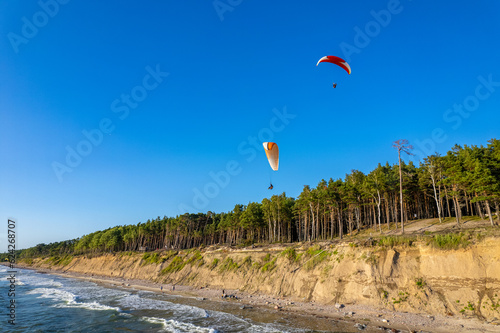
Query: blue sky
[113,113]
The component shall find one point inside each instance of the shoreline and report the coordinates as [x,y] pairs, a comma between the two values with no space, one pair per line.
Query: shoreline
[359,316]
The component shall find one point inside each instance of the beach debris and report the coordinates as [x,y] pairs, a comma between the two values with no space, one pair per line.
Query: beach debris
[339,306]
[385,320]
[360,326]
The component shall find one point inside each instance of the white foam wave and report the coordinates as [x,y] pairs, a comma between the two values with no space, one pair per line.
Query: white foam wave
[136,302]
[94,292]
[53,293]
[68,299]
[178,327]
[89,306]
[37,280]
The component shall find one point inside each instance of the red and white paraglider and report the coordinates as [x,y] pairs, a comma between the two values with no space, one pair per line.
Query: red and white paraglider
[336,61]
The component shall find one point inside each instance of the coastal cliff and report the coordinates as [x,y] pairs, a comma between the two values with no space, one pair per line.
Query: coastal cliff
[413,277]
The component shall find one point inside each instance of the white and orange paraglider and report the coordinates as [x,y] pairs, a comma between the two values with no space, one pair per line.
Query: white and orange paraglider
[272,153]
[336,61]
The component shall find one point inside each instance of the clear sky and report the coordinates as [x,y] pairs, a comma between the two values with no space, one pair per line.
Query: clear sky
[115,112]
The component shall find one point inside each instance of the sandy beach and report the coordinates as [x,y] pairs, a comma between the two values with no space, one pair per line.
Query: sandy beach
[357,316]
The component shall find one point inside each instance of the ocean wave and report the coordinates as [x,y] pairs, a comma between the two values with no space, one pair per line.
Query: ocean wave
[89,306]
[171,325]
[69,300]
[37,280]
[136,302]
[53,293]
[94,292]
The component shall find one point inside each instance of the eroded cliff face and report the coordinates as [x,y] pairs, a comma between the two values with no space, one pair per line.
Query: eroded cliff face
[415,279]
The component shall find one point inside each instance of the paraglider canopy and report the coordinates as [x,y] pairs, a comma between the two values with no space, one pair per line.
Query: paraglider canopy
[337,61]
[272,154]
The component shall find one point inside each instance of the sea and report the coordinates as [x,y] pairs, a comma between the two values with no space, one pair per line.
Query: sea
[53,303]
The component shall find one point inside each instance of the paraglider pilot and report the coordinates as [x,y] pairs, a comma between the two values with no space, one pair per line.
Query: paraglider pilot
[270,187]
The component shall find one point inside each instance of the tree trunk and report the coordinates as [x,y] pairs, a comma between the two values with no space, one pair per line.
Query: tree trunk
[488,210]
[401,193]
[447,201]
[387,214]
[436,198]
[340,223]
[497,208]
[479,209]
[458,211]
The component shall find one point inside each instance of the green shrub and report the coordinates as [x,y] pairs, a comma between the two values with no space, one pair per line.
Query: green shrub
[27,261]
[214,263]
[313,250]
[403,297]
[228,265]
[60,261]
[168,255]
[391,241]
[315,256]
[196,259]
[247,261]
[290,254]
[150,258]
[420,283]
[450,241]
[175,265]
[269,266]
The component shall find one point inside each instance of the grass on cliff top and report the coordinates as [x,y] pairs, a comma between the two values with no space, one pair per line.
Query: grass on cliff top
[392,241]
[175,265]
[314,256]
[450,241]
[150,258]
[291,254]
[269,265]
[60,261]
[228,265]
[196,259]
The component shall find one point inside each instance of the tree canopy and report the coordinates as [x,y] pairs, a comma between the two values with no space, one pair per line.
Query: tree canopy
[465,181]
